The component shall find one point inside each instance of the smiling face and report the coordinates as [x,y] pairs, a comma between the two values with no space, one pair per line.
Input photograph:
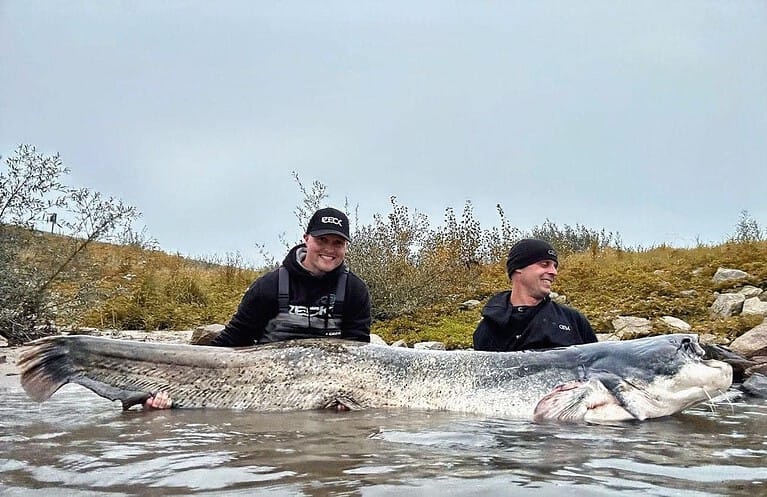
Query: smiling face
[324,253]
[532,283]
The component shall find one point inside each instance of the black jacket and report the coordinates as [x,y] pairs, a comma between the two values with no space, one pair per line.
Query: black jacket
[307,292]
[543,326]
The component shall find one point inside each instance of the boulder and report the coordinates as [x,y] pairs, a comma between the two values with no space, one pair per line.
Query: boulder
[754,306]
[756,385]
[749,291]
[727,304]
[377,340]
[204,335]
[627,327]
[469,305]
[83,330]
[753,342]
[559,299]
[727,275]
[759,368]
[675,324]
[429,345]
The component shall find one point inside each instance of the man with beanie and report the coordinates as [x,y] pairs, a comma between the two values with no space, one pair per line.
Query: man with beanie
[526,317]
[311,295]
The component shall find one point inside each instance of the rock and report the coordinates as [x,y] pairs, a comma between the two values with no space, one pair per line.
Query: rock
[429,345]
[760,368]
[756,385]
[3,342]
[631,327]
[469,305]
[728,275]
[377,340]
[753,342]
[85,331]
[399,343]
[688,293]
[559,299]
[750,291]
[675,323]
[204,335]
[754,306]
[727,304]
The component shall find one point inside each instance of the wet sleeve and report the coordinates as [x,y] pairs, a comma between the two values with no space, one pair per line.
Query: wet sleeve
[356,321]
[247,325]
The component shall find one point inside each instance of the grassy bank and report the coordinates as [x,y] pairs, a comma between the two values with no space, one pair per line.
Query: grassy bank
[154,290]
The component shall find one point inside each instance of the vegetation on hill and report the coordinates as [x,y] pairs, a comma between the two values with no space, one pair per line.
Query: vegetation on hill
[33,266]
[100,273]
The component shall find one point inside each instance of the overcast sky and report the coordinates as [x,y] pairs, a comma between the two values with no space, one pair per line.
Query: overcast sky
[644,118]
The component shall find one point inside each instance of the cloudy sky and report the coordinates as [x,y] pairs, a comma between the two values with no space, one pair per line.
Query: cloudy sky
[644,118]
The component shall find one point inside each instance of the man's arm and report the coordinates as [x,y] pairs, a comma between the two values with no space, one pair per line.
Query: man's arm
[587,332]
[356,320]
[257,307]
[483,338]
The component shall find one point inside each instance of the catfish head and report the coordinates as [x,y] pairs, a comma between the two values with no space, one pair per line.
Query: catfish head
[636,380]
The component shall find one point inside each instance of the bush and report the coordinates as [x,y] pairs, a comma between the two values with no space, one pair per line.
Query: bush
[31,191]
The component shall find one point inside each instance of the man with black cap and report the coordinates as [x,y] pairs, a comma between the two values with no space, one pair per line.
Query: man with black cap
[311,295]
[526,317]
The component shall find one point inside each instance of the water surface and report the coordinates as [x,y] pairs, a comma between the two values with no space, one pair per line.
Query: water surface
[77,444]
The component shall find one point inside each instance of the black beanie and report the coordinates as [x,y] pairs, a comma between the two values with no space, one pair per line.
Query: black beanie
[529,251]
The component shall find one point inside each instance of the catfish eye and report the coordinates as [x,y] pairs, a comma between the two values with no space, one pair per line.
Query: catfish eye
[689,346]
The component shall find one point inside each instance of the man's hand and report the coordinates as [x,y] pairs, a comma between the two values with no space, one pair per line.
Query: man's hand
[160,400]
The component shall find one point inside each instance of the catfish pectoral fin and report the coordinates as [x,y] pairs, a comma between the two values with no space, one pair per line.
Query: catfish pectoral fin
[576,401]
[564,403]
[48,364]
[128,398]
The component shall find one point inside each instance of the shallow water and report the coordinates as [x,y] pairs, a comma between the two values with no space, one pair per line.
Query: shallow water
[77,444]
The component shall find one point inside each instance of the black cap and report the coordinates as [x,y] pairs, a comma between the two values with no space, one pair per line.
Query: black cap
[329,221]
[529,251]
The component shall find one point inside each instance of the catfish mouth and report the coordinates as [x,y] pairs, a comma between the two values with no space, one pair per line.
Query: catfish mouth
[648,385]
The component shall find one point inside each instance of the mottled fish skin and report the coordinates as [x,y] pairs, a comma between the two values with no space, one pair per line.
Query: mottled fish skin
[315,374]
